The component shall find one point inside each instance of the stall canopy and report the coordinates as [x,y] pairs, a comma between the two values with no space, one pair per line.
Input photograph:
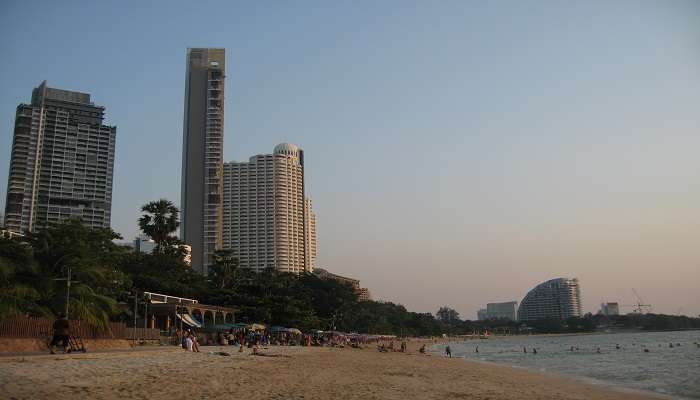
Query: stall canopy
[187,318]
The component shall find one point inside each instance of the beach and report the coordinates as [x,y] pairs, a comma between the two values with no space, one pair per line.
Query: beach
[282,373]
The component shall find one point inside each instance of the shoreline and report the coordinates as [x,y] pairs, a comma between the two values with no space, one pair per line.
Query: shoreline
[579,379]
[620,366]
[310,373]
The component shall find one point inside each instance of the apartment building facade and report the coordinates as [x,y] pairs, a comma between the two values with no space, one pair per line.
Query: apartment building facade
[61,163]
[554,299]
[265,212]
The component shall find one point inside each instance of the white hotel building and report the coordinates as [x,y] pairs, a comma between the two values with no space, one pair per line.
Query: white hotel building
[267,221]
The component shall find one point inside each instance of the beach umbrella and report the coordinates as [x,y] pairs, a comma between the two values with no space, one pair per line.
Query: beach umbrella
[256,327]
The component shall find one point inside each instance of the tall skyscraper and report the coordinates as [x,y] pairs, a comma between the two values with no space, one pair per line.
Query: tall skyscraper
[310,229]
[62,162]
[202,155]
[265,212]
[555,299]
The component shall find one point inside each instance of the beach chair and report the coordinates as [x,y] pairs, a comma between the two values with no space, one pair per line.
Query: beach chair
[75,343]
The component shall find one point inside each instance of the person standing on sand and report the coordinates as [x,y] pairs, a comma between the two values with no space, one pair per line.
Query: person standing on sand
[61,333]
[448,351]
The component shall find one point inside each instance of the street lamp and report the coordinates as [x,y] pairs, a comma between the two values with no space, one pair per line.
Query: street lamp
[68,282]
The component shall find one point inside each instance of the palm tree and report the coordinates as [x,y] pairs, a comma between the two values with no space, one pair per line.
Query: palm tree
[91,255]
[224,269]
[160,221]
[18,275]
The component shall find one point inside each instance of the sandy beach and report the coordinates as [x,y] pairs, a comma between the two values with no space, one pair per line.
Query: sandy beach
[286,373]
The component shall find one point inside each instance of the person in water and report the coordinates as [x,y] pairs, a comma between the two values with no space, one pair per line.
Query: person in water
[476,350]
[448,351]
[534,350]
[524,349]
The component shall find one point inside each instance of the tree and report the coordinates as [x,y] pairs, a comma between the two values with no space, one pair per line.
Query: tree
[92,257]
[224,269]
[160,221]
[447,315]
[17,275]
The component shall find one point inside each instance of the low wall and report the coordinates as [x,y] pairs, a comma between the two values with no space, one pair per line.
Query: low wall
[29,345]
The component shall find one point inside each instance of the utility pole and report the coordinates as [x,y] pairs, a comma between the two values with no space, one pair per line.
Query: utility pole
[68,290]
[145,312]
[136,306]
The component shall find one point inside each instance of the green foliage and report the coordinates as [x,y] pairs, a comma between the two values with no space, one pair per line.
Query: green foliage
[162,273]
[223,272]
[650,322]
[17,274]
[34,272]
[389,318]
[160,221]
[104,273]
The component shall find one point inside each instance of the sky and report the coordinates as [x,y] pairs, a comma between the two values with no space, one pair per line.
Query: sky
[457,152]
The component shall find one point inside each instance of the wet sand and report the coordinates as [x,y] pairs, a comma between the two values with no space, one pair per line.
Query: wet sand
[288,373]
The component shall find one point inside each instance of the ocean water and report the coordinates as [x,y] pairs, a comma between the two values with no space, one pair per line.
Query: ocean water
[665,370]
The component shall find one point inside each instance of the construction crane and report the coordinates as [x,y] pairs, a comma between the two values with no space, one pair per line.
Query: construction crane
[640,307]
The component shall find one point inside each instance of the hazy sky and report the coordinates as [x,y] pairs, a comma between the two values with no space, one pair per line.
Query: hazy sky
[457,152]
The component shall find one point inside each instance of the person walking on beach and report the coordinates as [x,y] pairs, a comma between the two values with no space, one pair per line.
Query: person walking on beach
[448,351]
[195,344]
[61,333]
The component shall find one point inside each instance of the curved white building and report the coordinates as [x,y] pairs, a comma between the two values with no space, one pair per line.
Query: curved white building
[555,299]
[265,213]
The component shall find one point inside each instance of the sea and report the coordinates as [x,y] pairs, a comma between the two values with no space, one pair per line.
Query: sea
[596,358]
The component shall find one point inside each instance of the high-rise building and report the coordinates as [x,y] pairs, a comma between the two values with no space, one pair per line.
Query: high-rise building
[264,211]
[610,309]
[310,228]
[555,299]
[62,162]
[363,294]
[202,155]
[498,311]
